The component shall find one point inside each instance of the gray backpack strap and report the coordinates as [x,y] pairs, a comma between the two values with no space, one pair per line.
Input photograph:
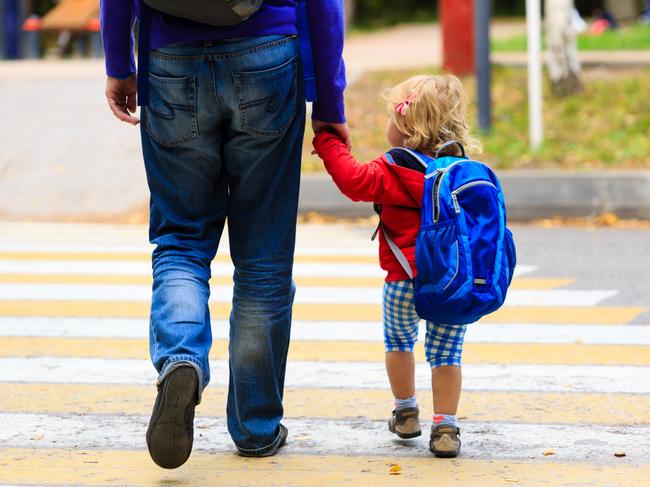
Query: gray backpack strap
[448,144]
[399,255]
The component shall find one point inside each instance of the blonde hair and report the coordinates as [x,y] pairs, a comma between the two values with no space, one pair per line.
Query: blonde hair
[436,113]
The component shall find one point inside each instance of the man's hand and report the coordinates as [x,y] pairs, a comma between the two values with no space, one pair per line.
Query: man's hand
[121,96]
[339,129]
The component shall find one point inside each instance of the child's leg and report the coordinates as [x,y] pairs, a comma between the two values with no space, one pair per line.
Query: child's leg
[446,382]
[400,335]
[400,367]
[444,346]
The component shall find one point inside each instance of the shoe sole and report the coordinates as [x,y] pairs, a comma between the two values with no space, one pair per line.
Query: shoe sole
[168,440]
[408,436]
[409,423]
[446,453]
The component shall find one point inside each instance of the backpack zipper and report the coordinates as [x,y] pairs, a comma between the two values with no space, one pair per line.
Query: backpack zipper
[454,194]
[439,175]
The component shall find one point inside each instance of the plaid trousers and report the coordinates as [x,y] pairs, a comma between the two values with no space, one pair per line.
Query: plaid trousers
[443,343]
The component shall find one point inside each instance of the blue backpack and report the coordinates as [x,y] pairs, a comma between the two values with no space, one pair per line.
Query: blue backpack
[464,254]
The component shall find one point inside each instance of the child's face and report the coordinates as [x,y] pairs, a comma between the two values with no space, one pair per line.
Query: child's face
[393,135]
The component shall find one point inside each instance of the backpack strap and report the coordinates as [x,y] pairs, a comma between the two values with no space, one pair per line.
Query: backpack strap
[399,255]
[306,54]
[144,43]
[397,252]
[420,164]
[449,144]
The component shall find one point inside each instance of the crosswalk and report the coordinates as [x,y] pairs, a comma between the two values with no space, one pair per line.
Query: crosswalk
[555,383]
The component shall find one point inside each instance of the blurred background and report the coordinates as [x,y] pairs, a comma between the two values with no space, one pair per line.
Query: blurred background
[556,388]
[596,119]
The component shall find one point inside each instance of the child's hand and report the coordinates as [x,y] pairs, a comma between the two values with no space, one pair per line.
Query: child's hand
[341,130]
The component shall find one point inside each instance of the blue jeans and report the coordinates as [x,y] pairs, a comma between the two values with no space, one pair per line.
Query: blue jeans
[222,140]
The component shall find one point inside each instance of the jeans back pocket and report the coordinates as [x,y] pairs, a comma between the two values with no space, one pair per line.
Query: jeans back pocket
[170,118]
[267,99]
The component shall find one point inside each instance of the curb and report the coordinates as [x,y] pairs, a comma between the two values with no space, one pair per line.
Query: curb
[530,195]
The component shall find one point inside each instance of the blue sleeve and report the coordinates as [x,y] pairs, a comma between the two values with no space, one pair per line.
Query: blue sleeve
[117,20]
[326,22]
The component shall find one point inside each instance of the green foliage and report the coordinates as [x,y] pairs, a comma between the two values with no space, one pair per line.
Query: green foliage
[606,126]
[631,37]
[381,13]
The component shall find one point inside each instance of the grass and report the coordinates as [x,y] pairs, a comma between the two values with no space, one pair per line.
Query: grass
[630,37]
[605,127]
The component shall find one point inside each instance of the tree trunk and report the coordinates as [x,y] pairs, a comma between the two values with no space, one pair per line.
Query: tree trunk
[350,8]
[563,61]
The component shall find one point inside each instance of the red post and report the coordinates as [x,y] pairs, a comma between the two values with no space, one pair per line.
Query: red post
[457,19]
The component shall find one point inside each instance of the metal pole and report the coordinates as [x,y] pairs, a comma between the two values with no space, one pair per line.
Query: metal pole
[535,114]
[482,11]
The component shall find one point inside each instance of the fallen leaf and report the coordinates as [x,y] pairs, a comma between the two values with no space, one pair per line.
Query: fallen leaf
[512,481]
[37,437]
[620,454]
[548,453]
[395,469]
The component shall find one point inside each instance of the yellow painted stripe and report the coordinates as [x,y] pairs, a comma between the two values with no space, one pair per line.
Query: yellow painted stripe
[517,283]
[317,312]
[144,256]
[93,467]
[340,351]
[373,404]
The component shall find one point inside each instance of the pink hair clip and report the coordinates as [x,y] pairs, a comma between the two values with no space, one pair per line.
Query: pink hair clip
[403,106]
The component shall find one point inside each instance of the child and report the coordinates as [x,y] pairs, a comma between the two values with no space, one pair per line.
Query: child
[424,113]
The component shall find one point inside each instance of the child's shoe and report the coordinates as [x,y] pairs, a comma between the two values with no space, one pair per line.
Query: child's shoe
[405,423]
[445,441]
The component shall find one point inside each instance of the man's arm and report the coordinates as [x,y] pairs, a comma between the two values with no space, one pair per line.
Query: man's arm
[326,22]
[117,20]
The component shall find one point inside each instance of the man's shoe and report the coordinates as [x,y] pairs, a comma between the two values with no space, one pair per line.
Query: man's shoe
[282,434]
[445,441]
[405,423]
[171,430]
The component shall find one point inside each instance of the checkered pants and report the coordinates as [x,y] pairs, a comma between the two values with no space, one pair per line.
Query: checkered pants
[443,343]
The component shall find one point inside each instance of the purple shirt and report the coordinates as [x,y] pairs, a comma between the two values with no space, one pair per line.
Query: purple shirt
[275,17]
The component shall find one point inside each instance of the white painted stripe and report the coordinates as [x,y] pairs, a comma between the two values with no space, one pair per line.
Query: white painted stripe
[559,333]
[335,250]
[77,327]
[111,268]
[327,437]
[142,268]
[543,378]
[305,294]
[334,330]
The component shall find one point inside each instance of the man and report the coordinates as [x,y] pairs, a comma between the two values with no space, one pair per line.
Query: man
[221,138]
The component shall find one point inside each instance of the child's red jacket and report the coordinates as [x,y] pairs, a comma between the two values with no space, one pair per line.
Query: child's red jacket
[398,189]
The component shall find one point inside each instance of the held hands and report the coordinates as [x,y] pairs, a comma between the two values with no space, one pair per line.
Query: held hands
[341,130]
[122,98]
